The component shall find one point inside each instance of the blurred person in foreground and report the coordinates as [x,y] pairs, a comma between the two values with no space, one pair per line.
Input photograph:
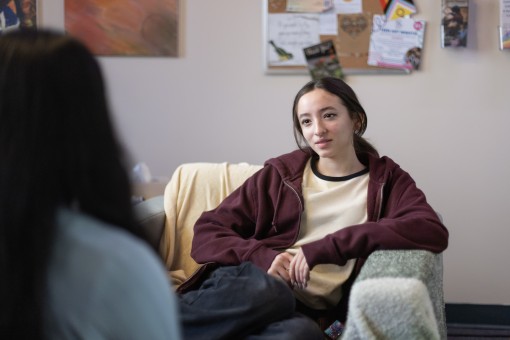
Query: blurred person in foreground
[73,261]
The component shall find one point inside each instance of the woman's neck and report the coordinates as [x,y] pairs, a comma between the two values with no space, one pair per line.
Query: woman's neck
[339,167]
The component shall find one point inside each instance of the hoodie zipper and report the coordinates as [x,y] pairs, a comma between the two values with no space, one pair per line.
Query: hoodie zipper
[378,203]
[273,222]
[300,211]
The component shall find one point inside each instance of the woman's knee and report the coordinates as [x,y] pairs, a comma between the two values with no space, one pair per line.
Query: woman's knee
[268,289]
[246,287]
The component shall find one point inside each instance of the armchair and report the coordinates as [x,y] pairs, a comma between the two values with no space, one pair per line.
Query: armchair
[397,295]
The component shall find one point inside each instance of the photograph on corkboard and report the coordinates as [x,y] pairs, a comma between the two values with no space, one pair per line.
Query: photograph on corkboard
[125,27]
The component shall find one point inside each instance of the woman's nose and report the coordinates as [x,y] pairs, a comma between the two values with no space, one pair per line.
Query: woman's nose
[319,130]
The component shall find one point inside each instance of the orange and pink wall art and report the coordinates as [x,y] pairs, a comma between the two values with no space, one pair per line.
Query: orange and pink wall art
[125,27]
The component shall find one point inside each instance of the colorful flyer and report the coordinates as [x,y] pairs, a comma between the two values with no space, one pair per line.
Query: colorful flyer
[399,9]
[396,43]
[384,3]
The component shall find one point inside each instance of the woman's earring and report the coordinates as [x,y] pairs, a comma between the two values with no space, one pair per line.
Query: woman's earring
[356,129]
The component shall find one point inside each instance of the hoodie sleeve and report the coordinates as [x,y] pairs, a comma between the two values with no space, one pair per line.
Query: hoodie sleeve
[407,221]
[237,230]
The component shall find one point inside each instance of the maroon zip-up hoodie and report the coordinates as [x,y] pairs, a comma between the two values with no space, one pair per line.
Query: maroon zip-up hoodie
[262,218]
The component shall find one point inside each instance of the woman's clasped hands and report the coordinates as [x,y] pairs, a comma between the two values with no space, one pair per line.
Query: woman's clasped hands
[293,269]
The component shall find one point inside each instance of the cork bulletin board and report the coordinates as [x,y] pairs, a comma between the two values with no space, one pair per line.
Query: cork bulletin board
[287,33]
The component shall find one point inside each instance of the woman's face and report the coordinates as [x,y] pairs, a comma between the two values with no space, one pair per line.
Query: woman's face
[326,124]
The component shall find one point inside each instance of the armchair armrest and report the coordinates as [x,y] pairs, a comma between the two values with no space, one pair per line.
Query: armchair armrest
[150,215]
[398,295]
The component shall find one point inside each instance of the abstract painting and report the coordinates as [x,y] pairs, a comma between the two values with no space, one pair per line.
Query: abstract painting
[125,27]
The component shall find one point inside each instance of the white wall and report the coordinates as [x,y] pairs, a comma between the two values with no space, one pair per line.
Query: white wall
[447,124]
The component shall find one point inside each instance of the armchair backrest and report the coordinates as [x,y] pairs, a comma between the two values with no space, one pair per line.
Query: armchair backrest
[193,189]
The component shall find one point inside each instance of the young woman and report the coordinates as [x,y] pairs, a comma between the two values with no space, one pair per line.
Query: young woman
[309,218]
[72,262]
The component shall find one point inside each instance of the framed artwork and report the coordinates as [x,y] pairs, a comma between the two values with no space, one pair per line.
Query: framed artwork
[16,14]
[125,27]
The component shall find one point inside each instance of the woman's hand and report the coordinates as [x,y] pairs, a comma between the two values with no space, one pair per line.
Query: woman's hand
[280,267]
[299,270]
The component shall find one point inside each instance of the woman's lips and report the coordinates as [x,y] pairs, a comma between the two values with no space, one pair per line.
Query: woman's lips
[322,143]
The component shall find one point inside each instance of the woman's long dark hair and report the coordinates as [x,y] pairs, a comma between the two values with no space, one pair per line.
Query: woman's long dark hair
[348,97]
[57,149]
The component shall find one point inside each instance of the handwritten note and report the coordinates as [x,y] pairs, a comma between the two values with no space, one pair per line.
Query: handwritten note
[288,35]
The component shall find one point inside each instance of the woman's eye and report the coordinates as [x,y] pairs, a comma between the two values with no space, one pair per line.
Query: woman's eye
[305,122]
[329,115]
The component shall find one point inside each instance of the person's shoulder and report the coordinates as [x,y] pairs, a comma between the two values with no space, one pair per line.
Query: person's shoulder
[290,163]
[381,166]
[107,279]
[368,158]
[384,160]
[88,231]
[84,238]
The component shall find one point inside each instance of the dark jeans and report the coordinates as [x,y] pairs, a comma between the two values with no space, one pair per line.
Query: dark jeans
[243,302]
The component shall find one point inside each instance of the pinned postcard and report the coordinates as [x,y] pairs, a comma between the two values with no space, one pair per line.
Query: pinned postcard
[354,39]
[504,12]
[322,60]
[399,9]
[328,19]
[454,25]
[504,22]
[309,6]
[396,43]
[348,6]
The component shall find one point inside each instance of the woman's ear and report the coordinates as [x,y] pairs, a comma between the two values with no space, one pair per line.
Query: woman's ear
[359,120]
[357,125]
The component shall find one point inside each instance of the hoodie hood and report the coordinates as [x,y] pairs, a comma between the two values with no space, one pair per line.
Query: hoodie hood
[291,165]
